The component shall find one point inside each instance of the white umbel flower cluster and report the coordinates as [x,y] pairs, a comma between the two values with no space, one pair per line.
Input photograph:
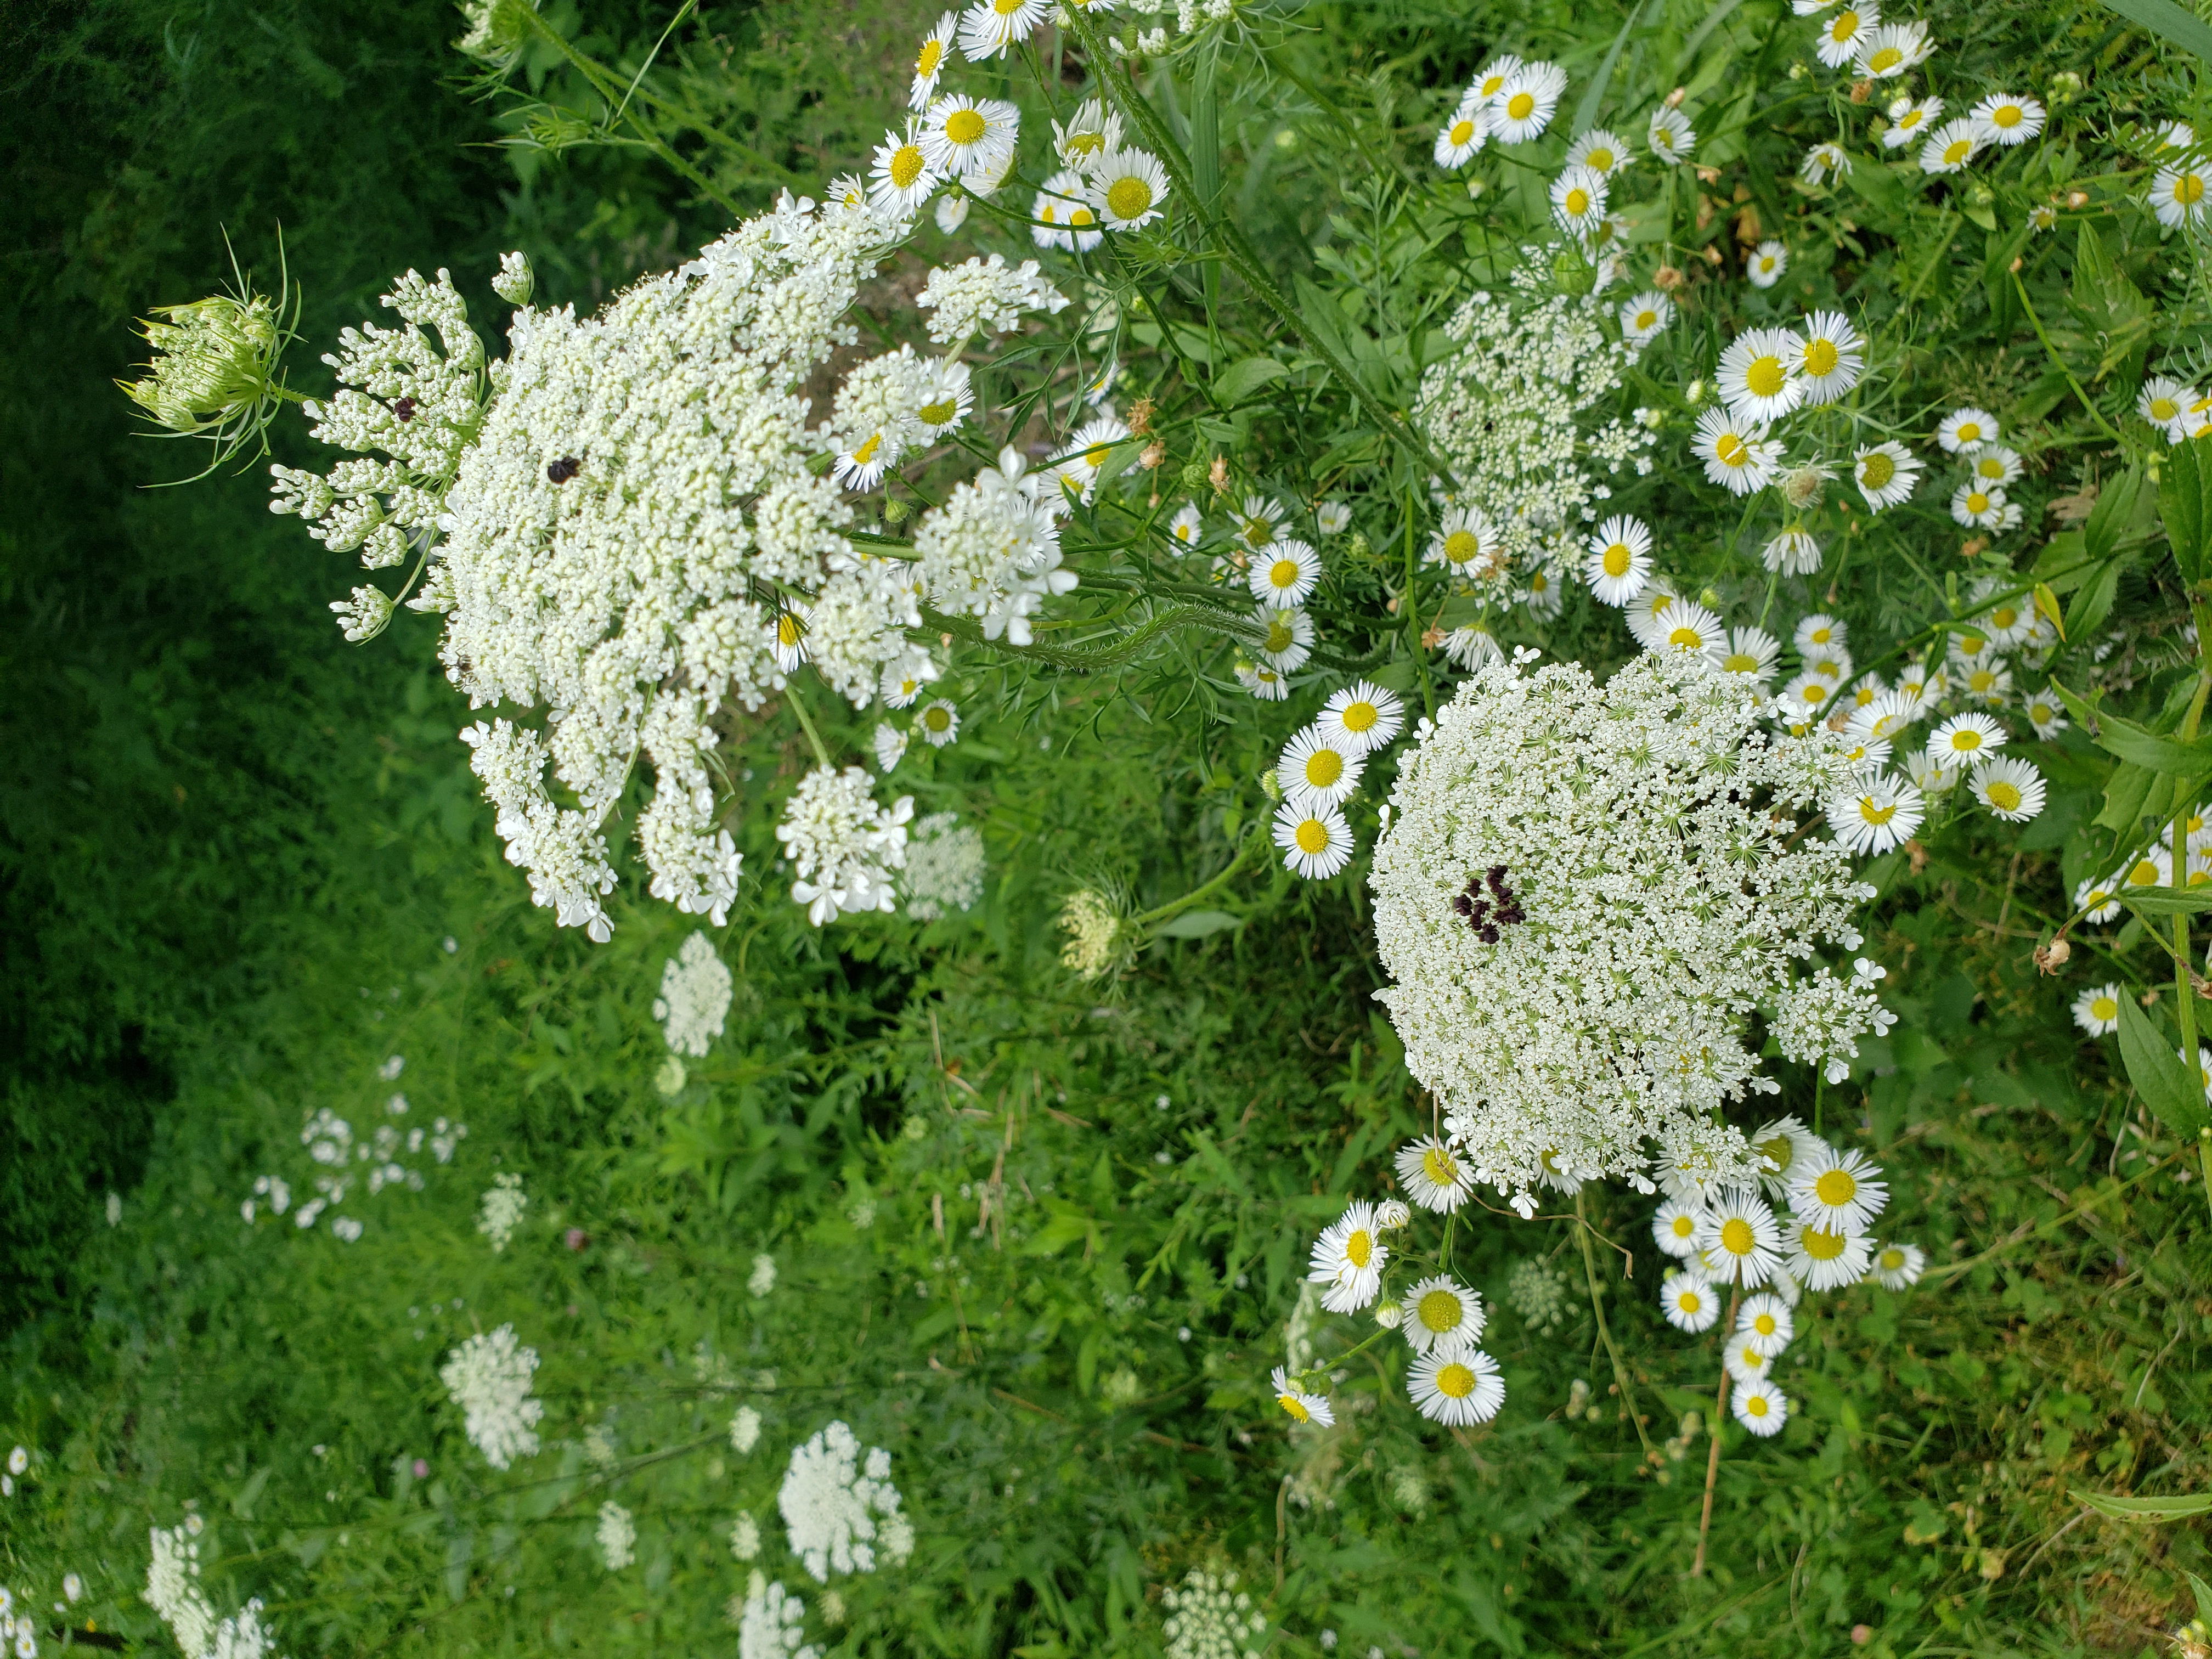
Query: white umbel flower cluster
[617,1536]
[695,997]
[1210,1618]
[943,866]
[993,550]
[489,1378]
[842,846]
[503,1207]
[773,1625]
[1580,906]
[172,1590]
[839,1505]
[1515,411]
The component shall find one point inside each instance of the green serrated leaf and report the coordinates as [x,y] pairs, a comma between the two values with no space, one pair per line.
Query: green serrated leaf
[2156,1070]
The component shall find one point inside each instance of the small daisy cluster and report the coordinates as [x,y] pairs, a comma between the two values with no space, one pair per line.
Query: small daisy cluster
[1657,906]
[1280,570]
[1319,769]
[172,1590]
[1959,699]
[1514,103]
[2098,901]
[347,1160]
[1208,1617]
[489,1378]
[842,846]
[937,723]
[1974,437]
[945,867]
[772,1624]
[503,1206]
[839,1505]
[695,997]
[2176,408]
[1508,99]
[1515,410]
[1729,1240]
[1768,375]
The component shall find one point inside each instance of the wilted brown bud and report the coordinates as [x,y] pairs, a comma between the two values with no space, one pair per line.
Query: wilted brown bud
[1140,417]
[2050,958]
[1969,548]
[1861,91]
[1918,855]
[1669,278]
[1218,478]
[1154,453]
[1675,98]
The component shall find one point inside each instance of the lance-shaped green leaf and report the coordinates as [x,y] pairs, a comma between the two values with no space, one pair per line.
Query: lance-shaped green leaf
[2166,901]
[2170,22]
[2156,1069]
[2138,744]
[2185,503]
[2147,1509]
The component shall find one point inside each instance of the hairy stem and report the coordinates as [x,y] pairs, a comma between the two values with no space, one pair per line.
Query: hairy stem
[1713,1456]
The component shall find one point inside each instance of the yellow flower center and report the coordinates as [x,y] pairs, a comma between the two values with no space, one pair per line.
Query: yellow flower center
[1740,662]
[907,163]
[1876,471]
[2104,1008]
[2145,874]
[1688,1300]
[1885,60]
[2189,189]
[963,126]
[1129,198]
[1359,1249]
[1462,132]
[1737,1238]
[1323,768]
[1455,1381]
[1765,1324]
[2004,615]
[1683,1227]
[1520,105]
[1730,450]
[1081,217]
[1845,26]
[2007,115]
[1687,638]
[1970,432]
[936,413]
[1439,1310]
[1815,692]
[1756,1406]
[936,719]
[1821,358]
[1295,1406]
[1647,319]
[2004,797]
[1617,559]
[1283,573]
[786,630]
[1977,502]
[1436,1163]
[1766,377]
[1966,740]
[1313,838]
[1876,815]
[866,452]
[933,54]
[1956,152]
[1461,545]
[1981,680]
[1835,1187]
[1097,454]
[1821,1247]
[1601,158]
[1578,202]
[1360,717]
[1280,637]
[1910,119]
[2164,408]
[1007,7]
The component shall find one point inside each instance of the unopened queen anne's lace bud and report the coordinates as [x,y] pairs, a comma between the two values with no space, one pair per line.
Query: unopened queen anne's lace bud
[1656,907]
[842,846]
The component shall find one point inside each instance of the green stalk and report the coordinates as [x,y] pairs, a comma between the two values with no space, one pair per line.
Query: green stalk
[2059,363]
[1605,1332]
[791,697]
[2185,968]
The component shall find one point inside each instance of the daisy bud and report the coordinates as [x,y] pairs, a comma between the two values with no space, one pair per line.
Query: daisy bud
[1801,487]
[1675,98]
[896,511]
[1861,91]
[1388,1314]
[1193,474]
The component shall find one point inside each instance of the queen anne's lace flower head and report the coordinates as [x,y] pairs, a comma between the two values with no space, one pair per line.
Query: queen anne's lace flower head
[695,997]
[842,846]
[1648,905]
[489,1378]
[943,866]
[840,1507]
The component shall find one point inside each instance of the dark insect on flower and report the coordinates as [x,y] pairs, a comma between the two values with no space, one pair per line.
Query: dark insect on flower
[1487,912]
[405,409]
[564,469]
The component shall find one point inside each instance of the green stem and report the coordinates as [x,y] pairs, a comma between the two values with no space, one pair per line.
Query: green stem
[2059,362]
[1174,907]
[1605,1331]
[791,697]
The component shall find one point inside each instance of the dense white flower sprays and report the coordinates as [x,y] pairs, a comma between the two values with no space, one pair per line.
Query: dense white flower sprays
[843,847]
[695,997]
[840,1507]
[1642,908]
[172,1590]
[489,1378]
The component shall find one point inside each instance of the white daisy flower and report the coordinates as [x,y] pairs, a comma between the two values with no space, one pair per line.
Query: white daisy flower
[1829,356]
[1128,187]
[2096,1010]
[1751,651]
[1951,147]
[1973,504]
[2045,714]
[947,398]
[1886,473]
[1766,263]
[1458,1390]
[1472,646]
[1764,1323]
[1467,132]
[1671,136]
[1989,685]
[1897,1267]
[1887,717]
[1347,1260]
[2177,195]
[2177,135]
[1643,317]
[1965,739]
[1304,1406]
[861,468]
[1793,552]
[1875,814]
[929,60]
[1839,1192]
[1823,1260]
[1738,454]
[1760,1407]
[1908,120]
[1285,574]
[2095,900]
[961,136]
[1578,200]
[1093,131]
[1491,79]
[1620,560]
[1063,218]
[1332,518]
[1755,379]
[988,27]
[1784,1146]
[1996,463]
[1743,1362]
[847,191]
[2154,869]
[890,744]
[1467,545]
[1965,428]
[1892,49]
[1089,448]
[1674,1226]
[1289,642]
[1542,595]
[1390,1215]
[2011,788]
[1317,773]
[1361,714]
[1316,844]
[1263,682]
[1687,626]
[900,177]
[1690,1303]
[1738,1235]
[1842,35]
[1442,1316]
[2006,120]
[1521,109]
[2163,401]
[789,645]
[1603,152]
[1807,697]
[1433,1175]
[939,723]
[1820,161]
[1257,525]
